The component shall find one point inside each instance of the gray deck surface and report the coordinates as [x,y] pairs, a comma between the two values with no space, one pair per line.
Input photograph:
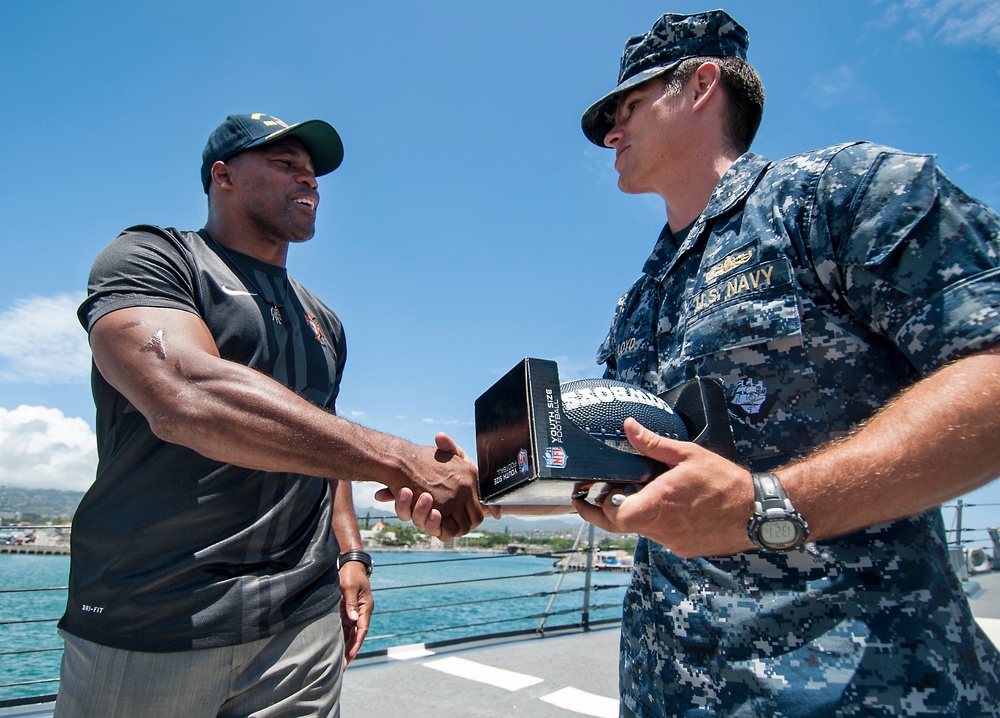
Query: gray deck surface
[985,602]
[559,676]
[585,662]
[581,668]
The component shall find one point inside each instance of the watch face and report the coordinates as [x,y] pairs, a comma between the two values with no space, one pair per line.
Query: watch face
[779,533]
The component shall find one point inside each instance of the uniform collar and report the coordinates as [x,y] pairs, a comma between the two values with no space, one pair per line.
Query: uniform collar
[663,252]
[735,185]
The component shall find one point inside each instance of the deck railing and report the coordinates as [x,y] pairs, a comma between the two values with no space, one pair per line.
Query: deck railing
[399,595]
[489,596]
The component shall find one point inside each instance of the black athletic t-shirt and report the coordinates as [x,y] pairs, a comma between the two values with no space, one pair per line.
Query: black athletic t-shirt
[174,551]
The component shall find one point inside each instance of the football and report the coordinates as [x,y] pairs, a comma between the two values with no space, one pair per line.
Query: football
[600,407]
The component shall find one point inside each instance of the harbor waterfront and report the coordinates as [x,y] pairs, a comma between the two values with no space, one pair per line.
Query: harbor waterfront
[432,596]
[496,633]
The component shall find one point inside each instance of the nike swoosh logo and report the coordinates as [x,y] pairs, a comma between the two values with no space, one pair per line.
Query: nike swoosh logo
[236,292]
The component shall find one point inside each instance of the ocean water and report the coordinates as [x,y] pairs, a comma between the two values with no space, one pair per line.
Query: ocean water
[419,598]
[452,595]
[19,571]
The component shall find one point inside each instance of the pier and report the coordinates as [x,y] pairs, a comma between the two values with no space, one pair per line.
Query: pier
[35,549]
[35,539]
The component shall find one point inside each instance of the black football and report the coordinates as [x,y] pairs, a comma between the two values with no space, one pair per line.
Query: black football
[600,407]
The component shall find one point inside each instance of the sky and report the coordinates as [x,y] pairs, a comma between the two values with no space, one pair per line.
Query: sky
[471,223]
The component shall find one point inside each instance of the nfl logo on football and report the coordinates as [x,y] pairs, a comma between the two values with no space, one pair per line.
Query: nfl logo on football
[522,462]
[555,457]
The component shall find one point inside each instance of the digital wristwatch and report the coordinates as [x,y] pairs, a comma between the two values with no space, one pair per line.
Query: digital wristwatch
[775,524]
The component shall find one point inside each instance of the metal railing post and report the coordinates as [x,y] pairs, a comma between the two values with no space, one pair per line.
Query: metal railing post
[958,525]
[585,617]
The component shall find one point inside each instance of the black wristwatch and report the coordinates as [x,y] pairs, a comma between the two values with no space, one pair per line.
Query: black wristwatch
[360,557]
[775,524]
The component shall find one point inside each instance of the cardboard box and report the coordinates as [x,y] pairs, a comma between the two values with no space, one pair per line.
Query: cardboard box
[529,453]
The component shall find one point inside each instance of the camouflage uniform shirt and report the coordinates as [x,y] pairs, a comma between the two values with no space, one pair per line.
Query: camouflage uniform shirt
[815,289]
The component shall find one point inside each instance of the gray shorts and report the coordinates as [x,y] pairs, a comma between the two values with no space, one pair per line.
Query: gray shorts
[295,673]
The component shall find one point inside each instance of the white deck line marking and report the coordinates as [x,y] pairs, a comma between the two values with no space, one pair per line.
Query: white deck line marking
[991,627]
[408,652]
[508,680]
[588,704]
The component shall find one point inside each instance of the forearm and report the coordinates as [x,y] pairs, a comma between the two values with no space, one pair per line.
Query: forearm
[166,364]
[938,440]
[345,520]
[236,415]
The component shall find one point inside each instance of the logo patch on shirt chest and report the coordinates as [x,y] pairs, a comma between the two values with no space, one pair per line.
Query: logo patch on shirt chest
[746,282]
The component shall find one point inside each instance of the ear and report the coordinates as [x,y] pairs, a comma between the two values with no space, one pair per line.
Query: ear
[220,174]
[705,83]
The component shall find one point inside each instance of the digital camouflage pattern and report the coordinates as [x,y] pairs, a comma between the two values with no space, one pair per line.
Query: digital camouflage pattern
[815,288]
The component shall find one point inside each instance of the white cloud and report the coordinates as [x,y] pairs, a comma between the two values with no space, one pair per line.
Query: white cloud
[41,448]
[955,22]
[573,368]
[447,422]
[43,343]
[364,496]
[834,87]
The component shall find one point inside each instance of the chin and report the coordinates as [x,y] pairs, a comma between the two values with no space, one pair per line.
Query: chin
[629,189]
[625,183]
[303,235]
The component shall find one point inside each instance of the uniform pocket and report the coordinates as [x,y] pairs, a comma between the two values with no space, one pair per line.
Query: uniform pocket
[752,304]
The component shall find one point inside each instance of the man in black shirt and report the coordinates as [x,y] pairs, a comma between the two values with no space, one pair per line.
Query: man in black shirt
[212,550]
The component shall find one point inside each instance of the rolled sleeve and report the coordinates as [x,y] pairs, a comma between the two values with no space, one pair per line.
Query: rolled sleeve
[920,259]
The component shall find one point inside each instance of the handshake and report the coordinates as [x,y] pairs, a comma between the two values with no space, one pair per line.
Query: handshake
[541,445]
[442,496]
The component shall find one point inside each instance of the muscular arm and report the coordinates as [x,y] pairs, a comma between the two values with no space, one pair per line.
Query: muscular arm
[165,362]
[938,440]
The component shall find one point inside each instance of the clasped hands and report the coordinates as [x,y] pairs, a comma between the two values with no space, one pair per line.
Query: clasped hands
[699,507]
[443,498]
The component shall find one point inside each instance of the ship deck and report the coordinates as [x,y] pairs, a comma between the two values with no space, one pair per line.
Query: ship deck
[560,675]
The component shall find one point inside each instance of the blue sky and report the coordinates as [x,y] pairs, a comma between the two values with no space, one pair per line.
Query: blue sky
[471,223]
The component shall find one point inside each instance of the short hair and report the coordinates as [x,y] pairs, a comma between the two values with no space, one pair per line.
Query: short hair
[744,91]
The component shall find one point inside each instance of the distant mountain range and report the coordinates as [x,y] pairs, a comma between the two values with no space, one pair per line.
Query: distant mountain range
[48,504]
[42,504]
[507,523]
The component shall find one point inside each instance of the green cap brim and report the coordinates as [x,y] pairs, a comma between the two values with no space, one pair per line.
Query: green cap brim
[320,140]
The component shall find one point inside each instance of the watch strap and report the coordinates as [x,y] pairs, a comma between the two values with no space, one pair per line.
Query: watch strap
[361,557]
[769,493]
[771,504]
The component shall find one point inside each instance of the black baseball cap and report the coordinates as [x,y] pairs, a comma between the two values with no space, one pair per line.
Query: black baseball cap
[672,39]
[241,132]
